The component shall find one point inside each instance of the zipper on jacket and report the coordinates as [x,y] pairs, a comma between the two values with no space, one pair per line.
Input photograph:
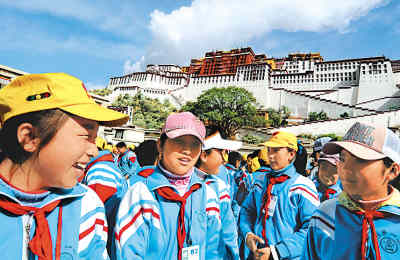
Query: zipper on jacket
[27,225]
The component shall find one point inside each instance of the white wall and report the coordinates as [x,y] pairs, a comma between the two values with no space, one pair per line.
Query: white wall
[340,126]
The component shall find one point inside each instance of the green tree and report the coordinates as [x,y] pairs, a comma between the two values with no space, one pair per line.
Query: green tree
[317,116]
[344,115]
[101,92]
[277,118]
[147,112]
[228,108]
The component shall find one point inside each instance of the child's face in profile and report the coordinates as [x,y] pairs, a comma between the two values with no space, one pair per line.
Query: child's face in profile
[327,173]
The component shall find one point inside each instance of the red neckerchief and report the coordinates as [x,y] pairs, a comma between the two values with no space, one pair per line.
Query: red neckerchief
[267,200]
[169,194]
[328,192]
[368,222]
[40,244]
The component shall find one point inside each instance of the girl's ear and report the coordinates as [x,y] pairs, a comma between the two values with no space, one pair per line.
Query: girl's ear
[27,138]
[159,148]
[203,156]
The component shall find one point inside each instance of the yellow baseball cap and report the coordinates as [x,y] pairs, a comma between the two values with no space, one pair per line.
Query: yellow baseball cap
[36,92]
[263,155]
[282,139]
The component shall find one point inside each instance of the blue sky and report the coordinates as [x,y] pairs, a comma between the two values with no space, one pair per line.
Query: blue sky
[94,40]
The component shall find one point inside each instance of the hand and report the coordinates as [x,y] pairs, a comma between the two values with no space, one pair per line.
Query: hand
[252,240]
[262,253]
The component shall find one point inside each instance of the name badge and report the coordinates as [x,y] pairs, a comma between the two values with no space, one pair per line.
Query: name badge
[191,253]
[272,205]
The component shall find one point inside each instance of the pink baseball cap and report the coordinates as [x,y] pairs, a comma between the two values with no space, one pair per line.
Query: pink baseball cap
[331,158]
[184,123]
[368,142]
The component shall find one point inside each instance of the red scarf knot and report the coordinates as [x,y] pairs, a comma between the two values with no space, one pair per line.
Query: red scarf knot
[329,192]
[41,244]
[267,200]
[170,194]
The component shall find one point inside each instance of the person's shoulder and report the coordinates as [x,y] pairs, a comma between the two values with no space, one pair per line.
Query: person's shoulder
[301,180]
[324,217]
[91,200]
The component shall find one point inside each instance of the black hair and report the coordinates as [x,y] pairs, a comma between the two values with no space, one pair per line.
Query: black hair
[147,153]
[120,145]
[233,157]
[300,162]
[210,130]
[46,123]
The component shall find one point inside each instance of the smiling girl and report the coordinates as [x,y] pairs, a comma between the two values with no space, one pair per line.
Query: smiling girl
[49,127]
[176,211]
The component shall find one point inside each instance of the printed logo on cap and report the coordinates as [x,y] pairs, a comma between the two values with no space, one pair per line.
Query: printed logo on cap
[360,133]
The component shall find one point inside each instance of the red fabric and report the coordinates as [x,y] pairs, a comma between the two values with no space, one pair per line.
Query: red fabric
[267,201]
[328,192]
[146,173]
[40,244]
[104,192]
[169,194]
[368,221]
[132,159]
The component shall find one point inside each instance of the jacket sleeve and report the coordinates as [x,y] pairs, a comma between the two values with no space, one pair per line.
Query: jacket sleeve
[229,236]
[311,244]
[93,228]
[305,199]
[138,214]
[248,214]
[102,179]
[235,204]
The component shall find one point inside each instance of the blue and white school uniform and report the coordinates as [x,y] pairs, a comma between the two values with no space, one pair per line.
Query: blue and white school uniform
[147,222]
[336,229]
[77,225]
[291,205]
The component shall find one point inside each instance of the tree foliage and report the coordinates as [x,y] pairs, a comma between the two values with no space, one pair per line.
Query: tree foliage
[317,116]
[147,112]
[344,115]
[277,118]
[101,92]
[228,108]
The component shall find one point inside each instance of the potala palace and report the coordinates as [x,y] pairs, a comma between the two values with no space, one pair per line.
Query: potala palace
[304,82]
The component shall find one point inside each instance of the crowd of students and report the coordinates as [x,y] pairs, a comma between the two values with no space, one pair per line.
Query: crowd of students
[190,194]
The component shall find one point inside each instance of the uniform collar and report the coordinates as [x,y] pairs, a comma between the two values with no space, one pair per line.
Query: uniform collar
[389,205]
[228,165]
[53,194]
[289,170]
[157,179]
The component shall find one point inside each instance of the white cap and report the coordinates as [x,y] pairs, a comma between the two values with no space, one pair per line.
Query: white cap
[215,141]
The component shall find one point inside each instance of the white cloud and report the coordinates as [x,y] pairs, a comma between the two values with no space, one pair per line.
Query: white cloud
[188,32]
[130,66]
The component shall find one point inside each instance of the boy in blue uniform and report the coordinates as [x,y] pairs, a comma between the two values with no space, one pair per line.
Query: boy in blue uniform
[274,217]
[126,161]
[363,222]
